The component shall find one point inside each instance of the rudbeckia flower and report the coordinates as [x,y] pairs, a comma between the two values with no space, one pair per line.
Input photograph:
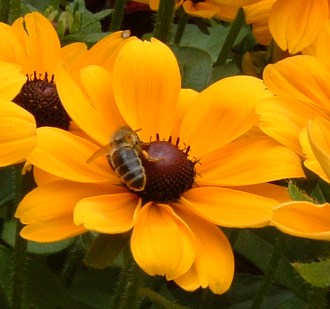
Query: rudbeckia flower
[195,168]
[297,102]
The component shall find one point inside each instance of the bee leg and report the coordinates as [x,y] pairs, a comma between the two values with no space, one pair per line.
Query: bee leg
[146,155]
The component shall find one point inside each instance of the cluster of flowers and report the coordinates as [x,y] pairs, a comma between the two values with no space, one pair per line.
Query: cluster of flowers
[239,134]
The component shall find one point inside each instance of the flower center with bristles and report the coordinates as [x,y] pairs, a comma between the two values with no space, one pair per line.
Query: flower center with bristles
[169,171]
[39,97]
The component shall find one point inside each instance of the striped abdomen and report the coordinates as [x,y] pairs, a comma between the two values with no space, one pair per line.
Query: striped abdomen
[128,166]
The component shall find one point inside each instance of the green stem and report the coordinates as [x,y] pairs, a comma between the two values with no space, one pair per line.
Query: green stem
[15,10]
[117,16]
[130,282]
[317,300]
[231,37]
[73,259]
[164,20]
[270,272]
[183,19]
[159,300]
[19,270]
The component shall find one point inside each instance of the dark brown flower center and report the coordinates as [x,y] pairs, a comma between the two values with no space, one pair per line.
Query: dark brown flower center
[39,97]
[169,172]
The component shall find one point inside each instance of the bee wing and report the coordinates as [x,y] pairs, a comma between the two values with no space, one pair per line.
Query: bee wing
[103,151]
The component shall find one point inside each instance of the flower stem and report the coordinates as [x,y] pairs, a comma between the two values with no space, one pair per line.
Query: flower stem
[270,271]
[164,20]
[130,281]
[117,16]
[183,19]
[19,270]
[231,37]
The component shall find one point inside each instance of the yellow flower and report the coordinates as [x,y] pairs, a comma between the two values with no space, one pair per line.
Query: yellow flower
[297,101]
[203,176]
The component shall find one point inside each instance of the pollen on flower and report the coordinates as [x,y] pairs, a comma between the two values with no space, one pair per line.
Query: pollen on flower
[169,171]
[39,96]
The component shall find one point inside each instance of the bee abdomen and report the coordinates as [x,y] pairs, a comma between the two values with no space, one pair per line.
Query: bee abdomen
[128,166]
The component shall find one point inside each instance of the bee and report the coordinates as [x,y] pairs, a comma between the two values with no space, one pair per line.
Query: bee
[123,153]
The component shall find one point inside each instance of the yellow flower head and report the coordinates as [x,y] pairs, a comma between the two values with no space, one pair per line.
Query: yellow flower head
[199,172]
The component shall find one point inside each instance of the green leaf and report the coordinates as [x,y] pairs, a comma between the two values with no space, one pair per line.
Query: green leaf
[297,195]
[258,251]
[195,67]
[225,70]
[105,249]
[317,274]
[10,181]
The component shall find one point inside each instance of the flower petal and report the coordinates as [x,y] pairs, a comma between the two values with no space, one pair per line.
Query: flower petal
[296,24]
[79,107]
[214,263]
[17,133]
[283,118]
[303,219]
[52,230]
[48,210]
[147,97]
[240,163]
[214,119]
[111,213]
[162,243]
[65,155]
[311,87]
[228,207]
[41,42]
[11,80]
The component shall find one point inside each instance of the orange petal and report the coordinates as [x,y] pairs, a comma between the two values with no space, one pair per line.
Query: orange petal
[65,155]
[214,119]
[229,207]
[52,230]
[296,24]
[303,219]
[162,243]
[240,163]
[111,213]
[283,118]
[41,42]
[17,133]
[311,86]
[214,263]
[146,97]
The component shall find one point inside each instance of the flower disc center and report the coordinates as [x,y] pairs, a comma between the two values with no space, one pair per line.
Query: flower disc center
[169,172]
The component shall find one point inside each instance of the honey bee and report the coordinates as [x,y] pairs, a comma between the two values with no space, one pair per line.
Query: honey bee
[123,153]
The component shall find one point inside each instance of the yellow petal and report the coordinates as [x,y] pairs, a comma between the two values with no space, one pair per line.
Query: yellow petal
[240,163]
[79,106]
[145,95]
[319,139]
[162,243]
[53,230]
[41,42]
[97,83]
[214,263]
[55,200]
[303,219]
[201,9]
[229,207]
[186,98]
[296,24]
[41,177]
[73,53]
[311,87]
[215,119]
[320,47]
[17,133]
[65,155]
[283,118]
[111,213]
[11,80]
[277,193]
